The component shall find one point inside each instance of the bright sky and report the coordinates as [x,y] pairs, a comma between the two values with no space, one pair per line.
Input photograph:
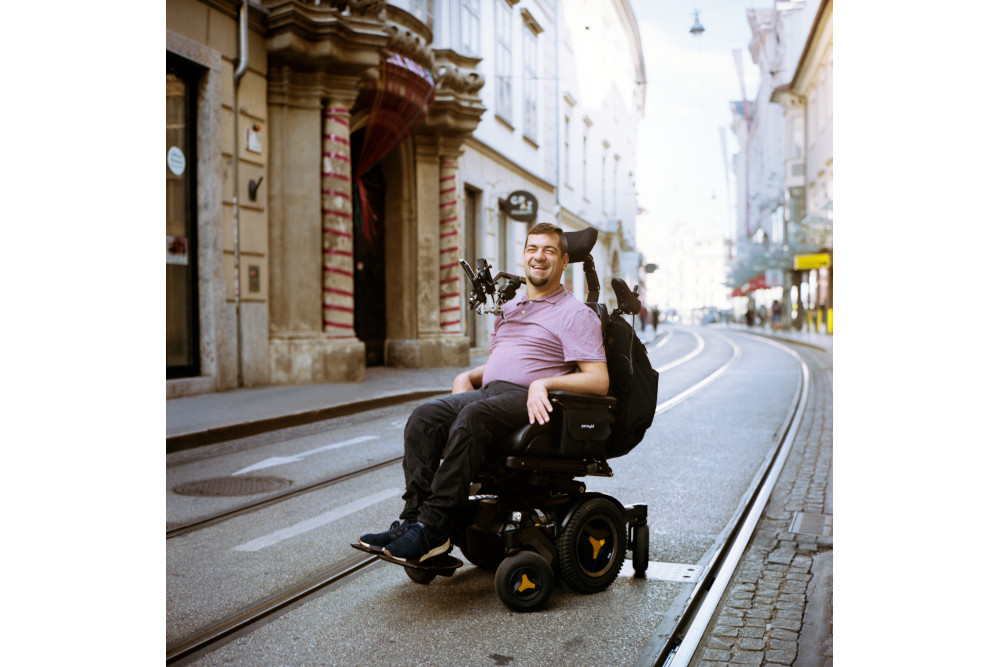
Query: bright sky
[682,167]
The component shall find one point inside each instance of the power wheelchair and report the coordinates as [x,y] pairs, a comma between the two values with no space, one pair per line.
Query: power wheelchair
[529,516]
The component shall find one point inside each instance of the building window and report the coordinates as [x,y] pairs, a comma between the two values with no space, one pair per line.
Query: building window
[614,187]
[182,285]
[424,11]
[469,39]
[566,157]
[530,82]
[604,179]
[504,71]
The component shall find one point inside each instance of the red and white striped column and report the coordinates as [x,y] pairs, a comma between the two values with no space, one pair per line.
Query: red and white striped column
[450,244]
[338,224]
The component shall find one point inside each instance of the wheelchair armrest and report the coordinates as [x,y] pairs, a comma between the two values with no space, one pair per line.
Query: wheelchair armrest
[573,399]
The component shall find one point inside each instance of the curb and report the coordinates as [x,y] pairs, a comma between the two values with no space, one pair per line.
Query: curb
[211,436]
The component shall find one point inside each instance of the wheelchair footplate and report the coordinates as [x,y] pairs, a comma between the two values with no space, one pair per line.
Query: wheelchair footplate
[444,564]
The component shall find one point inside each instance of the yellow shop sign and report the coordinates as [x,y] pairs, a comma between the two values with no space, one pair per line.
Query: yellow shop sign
[806,262]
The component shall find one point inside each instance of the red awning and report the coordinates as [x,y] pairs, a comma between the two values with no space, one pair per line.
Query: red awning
[401,98]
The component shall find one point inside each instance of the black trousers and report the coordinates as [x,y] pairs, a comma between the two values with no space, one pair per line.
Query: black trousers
[445,442]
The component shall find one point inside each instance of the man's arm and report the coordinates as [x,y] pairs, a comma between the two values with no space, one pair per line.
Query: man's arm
[591,379]
[468,380]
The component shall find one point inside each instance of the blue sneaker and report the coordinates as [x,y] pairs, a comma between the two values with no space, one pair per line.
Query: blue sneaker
[417,545]
[376,542]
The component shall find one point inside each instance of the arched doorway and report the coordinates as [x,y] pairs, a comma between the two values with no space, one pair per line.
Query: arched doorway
[369,261]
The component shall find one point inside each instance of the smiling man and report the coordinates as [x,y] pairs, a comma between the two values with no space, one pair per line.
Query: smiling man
[545,340]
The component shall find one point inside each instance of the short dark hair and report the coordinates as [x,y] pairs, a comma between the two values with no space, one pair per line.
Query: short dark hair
[549,228]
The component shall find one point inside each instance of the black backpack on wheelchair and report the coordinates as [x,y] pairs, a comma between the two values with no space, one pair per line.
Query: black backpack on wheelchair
[530,516]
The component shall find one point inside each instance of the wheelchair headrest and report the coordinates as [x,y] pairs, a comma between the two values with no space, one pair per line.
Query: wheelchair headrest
[581,243]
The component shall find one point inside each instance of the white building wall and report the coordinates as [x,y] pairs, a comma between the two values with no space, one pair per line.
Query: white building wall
[589,69]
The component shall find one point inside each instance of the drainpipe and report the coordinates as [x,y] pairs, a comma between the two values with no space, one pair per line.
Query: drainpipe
[238,72]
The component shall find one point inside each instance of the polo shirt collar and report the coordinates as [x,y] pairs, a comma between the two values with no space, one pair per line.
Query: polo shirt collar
[553,297]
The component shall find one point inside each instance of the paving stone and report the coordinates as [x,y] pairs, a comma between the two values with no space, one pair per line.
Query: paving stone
[788,624]
[716,654]
[751,644]
[725,631]
[731,620]
[780,633]
[752,633]
[781,645]
[783,556]
[747,658]
[781,657]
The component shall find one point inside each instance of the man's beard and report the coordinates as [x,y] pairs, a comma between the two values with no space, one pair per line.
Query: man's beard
[536,281]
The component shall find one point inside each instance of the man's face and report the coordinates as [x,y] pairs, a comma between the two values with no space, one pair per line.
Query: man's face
[543,262]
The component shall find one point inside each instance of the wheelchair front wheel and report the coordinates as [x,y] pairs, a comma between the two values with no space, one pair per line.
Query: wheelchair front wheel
[525,581]
[422,577]
[640,550]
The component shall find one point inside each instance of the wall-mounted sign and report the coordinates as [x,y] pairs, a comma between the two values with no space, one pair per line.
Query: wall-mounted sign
[177,250]
[176,161]
[522,206]
[820,260]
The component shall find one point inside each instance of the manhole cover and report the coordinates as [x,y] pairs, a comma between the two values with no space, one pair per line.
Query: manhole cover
[812,524]
[231,486]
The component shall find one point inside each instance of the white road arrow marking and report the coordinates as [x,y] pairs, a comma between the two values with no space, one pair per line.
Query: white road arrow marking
[317,521]
[281,460]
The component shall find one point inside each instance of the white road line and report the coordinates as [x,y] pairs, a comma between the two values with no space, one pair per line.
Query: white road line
[317,521]
[295,458]
[688,357]
[681,572]
[690,391]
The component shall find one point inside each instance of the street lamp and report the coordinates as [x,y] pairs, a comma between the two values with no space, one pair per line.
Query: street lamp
[697,28]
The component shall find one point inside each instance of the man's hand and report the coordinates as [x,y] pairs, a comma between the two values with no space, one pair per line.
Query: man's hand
[468,380]
[539,405]
[592,379]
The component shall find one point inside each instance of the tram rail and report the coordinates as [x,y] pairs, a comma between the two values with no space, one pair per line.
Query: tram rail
[676,640]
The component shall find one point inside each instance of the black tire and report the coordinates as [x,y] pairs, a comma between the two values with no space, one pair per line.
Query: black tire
[640,550]
[525,581]
[422,577]
[591,549]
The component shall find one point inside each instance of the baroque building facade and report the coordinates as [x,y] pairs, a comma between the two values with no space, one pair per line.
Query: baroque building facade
[329,162]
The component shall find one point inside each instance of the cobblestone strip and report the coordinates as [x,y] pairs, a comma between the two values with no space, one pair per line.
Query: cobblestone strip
[760,621]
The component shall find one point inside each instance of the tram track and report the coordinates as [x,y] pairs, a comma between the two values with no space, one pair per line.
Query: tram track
[192,526]
[213,633]
[674,643]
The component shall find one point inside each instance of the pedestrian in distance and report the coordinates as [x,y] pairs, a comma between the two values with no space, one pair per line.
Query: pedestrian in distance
[545,340]
[643,316]
[654,318]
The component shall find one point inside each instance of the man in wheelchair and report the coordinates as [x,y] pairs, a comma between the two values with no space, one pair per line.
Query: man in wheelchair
[545,340]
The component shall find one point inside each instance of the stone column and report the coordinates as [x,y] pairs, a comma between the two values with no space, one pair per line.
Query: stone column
[338,223]
[450,247]
[309,343]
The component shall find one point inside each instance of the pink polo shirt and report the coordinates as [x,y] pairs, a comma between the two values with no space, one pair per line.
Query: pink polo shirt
[537,338]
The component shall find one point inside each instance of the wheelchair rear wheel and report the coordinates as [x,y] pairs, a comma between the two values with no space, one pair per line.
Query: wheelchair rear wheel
[591,549]
[525,581]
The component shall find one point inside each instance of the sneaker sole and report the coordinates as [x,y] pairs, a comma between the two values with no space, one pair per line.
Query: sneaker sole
[368,547]
[436,551]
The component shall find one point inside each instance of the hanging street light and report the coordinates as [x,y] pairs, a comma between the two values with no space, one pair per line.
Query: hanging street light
[697,28]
